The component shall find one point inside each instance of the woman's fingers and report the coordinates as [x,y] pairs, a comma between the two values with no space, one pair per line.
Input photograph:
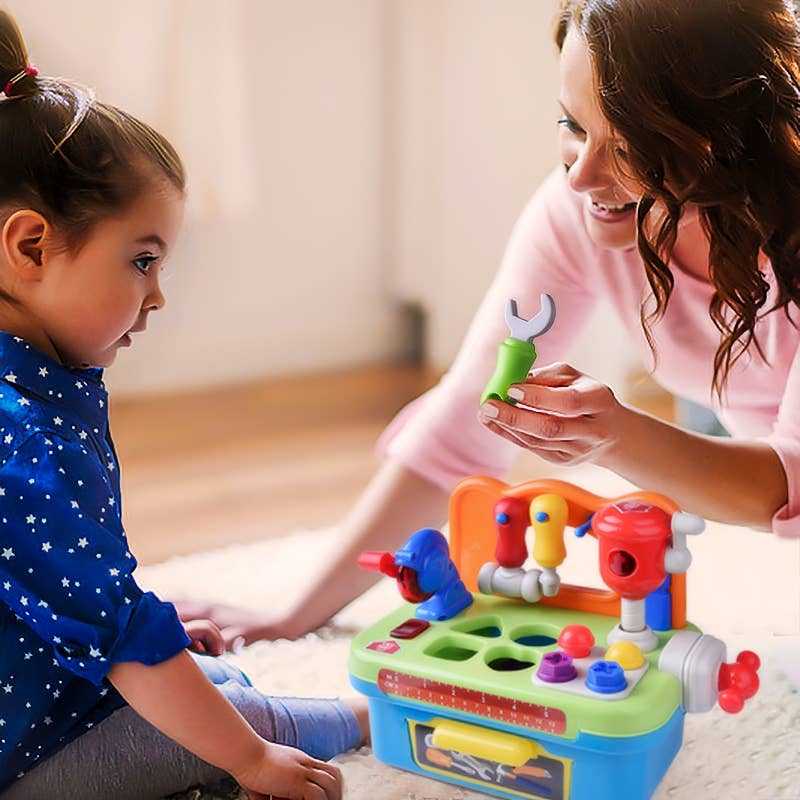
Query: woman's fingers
[545,450]
[579,397]
[542,426]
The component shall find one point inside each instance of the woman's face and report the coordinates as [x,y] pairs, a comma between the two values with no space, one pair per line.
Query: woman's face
[587,145]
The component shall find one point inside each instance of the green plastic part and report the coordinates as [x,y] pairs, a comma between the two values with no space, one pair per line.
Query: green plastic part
[465,650]
[514,361]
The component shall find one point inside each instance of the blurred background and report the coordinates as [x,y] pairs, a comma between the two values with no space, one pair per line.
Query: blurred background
[355,168]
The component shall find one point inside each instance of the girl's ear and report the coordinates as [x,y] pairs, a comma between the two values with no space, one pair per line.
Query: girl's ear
[22,241]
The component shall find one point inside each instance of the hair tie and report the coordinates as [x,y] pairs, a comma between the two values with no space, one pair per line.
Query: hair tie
[23,73]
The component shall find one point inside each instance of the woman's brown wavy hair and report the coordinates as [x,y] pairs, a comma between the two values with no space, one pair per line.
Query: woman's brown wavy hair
[706,94]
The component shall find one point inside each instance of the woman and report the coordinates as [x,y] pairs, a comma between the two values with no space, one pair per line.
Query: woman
[678,203]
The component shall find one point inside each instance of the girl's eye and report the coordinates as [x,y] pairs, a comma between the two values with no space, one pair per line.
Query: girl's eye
[571,125]
[621,153]
[142,263]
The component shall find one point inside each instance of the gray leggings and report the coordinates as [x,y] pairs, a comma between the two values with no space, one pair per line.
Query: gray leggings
[125,758]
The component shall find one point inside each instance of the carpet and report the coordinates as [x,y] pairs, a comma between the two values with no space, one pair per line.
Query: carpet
[755,754]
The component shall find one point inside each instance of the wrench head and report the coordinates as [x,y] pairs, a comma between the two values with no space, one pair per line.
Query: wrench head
[527,330]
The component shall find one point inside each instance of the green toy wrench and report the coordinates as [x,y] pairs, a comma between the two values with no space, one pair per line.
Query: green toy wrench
[517,353]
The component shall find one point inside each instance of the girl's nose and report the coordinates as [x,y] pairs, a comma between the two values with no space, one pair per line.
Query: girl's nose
[154,300]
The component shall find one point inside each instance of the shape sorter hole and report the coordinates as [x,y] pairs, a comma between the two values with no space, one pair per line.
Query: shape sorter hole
[535,635]
[487,627]
[450,650]
[535,640]
[508,660]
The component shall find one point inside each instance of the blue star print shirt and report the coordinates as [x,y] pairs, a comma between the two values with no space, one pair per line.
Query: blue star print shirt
[69,607]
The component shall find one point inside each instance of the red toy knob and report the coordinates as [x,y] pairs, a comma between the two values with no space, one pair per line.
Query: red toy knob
[576,640]
[738,681]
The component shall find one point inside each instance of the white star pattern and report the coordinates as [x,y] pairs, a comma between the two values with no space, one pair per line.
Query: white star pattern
[56,519]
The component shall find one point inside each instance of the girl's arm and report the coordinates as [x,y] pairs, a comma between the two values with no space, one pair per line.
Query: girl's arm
[567,417]
[178,699]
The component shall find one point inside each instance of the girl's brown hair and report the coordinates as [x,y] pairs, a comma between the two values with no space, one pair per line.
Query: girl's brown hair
[706,94]
[63,153]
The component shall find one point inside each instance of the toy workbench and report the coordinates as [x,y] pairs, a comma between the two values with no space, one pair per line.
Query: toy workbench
[497,676]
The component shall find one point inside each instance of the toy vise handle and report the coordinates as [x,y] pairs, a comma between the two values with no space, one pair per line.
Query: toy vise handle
[678,558]
[738,681]
[379,561]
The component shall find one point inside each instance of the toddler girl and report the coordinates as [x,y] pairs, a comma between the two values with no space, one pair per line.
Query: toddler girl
[99,697]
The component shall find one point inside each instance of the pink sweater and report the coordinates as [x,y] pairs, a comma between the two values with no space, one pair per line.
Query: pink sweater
[439,436]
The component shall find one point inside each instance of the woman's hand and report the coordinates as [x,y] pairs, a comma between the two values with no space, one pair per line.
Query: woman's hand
[284,772]
[206,637]
[238,626]
[562,415]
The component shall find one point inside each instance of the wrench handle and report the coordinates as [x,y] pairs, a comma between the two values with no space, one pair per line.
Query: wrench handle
[514,361]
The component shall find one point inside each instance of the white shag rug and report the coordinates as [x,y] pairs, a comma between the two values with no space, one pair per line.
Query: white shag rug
[755,754]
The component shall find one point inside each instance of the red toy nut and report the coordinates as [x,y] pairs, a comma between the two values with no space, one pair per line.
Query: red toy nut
[738,681]
[576,640]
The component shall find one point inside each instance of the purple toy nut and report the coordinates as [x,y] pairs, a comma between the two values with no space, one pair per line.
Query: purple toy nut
[556,667]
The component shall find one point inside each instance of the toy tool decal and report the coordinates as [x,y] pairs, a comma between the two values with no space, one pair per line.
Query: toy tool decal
[541,776]
[471,701]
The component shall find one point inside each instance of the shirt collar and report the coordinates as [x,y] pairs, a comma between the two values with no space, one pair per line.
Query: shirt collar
[79,391]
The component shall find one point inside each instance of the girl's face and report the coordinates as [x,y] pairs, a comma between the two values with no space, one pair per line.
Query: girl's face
[89,304]
[587,144]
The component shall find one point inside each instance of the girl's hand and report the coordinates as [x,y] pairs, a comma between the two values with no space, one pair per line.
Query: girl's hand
[562,415]
[206,637]
[284,772]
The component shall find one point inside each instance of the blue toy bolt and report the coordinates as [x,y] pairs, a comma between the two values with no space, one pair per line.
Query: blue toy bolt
[425,574]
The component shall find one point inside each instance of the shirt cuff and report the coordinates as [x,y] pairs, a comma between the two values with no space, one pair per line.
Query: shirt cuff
[786,521]
[150,632]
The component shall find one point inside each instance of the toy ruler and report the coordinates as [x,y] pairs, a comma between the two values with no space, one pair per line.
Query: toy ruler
[472,701]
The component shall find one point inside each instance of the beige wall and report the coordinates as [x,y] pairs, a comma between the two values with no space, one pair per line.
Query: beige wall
[474,132]
[344,156]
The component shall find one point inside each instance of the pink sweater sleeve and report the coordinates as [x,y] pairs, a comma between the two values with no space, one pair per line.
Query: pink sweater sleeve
[438,435]
[785,440]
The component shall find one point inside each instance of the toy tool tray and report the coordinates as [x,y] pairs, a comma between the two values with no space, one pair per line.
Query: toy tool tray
[484,661]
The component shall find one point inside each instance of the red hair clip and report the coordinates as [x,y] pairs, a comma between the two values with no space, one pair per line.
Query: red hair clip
[23,73]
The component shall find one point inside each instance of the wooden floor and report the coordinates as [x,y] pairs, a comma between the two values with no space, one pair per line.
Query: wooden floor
[244,462]
[240,463]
